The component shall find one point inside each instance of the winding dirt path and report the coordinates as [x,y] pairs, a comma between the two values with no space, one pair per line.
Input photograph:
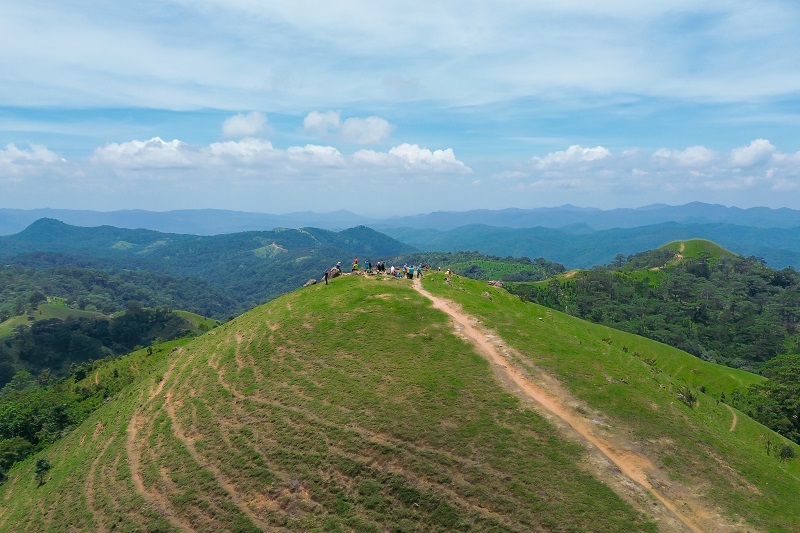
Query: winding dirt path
[633,465]
[735,417]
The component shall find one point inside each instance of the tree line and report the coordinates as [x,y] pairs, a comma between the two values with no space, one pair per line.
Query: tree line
[730,310]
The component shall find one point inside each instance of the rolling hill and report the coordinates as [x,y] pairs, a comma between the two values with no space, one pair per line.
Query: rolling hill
[363,405]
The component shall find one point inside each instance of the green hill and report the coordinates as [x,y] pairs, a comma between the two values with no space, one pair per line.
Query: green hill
[358,406]
[695,248]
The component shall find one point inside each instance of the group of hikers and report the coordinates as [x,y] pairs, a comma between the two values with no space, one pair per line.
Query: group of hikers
[406,271]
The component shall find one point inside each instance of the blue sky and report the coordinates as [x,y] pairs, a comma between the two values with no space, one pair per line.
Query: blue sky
[389,108]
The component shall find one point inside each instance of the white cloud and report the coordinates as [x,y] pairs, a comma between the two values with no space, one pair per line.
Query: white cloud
[574,155]
[757,152]
[242,125]
[17,164]
[12,156]
[153,153]
[411,157]
[692,157]
[318,155]
[245,150]
[322,123]
[370,130]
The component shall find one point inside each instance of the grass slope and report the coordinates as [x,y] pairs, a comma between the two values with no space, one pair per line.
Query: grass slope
[632,383]
[694,248]
[351,406]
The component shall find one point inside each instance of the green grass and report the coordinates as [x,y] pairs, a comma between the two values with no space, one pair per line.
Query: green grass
[351,406]
[44,311]
[694,248]
[633,382]
[198,322]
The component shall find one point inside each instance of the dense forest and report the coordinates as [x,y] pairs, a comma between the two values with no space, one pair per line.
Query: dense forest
[36,410]
[730,310]
[102,286]
[476,265]
[726,309]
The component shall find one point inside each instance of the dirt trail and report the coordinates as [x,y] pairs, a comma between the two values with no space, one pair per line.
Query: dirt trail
[633,465]
[735,417]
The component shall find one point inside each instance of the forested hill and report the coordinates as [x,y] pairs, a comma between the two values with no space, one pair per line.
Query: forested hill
[583,247]
[714,304]
[250,267]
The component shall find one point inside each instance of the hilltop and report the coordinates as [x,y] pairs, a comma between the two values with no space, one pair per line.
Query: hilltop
[357,405]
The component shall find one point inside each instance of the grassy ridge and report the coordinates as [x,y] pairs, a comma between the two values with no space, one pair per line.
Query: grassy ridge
[353,406]
[350,406]
[633,382]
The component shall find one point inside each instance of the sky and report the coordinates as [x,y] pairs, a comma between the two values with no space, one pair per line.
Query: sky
[396,108]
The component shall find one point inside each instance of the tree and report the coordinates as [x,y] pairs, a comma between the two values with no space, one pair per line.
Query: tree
[42,468]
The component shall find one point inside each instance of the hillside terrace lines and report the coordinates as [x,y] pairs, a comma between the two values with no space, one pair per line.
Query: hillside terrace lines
[634,466]
[133,451]
[227,484]
[407,451]
[89,488]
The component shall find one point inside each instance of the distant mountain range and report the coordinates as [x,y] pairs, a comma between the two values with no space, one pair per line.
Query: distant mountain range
[252,266]
[576,237]
[567,217]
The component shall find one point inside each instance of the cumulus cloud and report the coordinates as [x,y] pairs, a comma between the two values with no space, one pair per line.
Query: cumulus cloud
[412,157]
[322,123]
[242,125]
[573,155]
[370,130]
[246,150]
[153,153]
[759,151]
[17,164]
[319,155]
[11,156]
[692,157]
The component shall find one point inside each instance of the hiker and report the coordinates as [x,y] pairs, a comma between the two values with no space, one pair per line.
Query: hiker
[325,275]
[419,271]
[368,266]
[355,265]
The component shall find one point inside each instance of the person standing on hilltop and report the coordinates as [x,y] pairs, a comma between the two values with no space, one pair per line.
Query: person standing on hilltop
[355,265]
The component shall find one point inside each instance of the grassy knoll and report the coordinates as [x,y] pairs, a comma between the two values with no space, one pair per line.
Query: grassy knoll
[694,248]
[633,383]
[198,322]
[45,311]
[350,406]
